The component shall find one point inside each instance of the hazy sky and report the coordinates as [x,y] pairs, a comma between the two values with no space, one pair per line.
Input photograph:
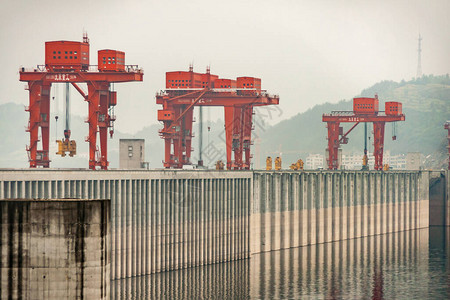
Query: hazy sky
[308,52]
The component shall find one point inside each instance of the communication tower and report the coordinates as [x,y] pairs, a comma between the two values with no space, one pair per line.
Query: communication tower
[419,59]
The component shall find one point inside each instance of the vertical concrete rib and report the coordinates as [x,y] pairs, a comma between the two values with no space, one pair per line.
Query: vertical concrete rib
[112,245]
[351,206]
[235,220]
[188,242]
[200,199]
[174,204]
[213,224]
[225,220]
[240,220]
[128,232]
[388,202]
[311,224]
[331,198]
[140,260]
[196,221]
[147,236]
[165,226]
[158,211]
[216,208]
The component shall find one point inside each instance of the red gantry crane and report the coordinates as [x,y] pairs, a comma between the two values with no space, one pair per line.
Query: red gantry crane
[68,62]
[184,90]
[364,110]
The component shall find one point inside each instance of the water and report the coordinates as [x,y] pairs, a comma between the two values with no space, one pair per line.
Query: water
[407,265]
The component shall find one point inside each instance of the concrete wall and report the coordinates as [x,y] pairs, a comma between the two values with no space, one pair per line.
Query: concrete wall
[55,249]
[167,220]
[161,220]
[291,209]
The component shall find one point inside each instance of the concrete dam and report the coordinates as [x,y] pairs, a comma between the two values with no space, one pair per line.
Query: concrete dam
[168,220]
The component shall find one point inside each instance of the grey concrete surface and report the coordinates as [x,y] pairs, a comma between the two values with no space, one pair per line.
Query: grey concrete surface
[438,198]
[161,220]
[292,209]
[55,249]
[165,220]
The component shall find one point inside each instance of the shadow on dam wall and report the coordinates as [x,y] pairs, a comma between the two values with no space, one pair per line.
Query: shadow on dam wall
[169,220]
[439,199]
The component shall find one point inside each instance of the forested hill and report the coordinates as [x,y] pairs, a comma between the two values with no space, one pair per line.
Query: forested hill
[426,104]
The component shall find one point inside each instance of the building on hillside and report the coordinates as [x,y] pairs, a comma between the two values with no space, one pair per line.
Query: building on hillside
[353,161]
[314,161]
[132,154]
[395,162]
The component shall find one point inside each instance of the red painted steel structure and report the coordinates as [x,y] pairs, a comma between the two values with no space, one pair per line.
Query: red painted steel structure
[111,60]
[364,110]
[184,90]
[100,98]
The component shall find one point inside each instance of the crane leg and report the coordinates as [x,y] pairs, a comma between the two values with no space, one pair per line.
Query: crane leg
[97,96]
[39,109]
[234,136]
[187,136]
[180,136]
[45,125]
[103,124]
[167,151]
[247,136]
[229,134]
[33,126]
[237,137]
[171,142]
[93,125]
[378,142]
[333,145]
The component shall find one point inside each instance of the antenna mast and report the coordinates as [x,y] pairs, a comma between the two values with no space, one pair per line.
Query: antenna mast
[419,59]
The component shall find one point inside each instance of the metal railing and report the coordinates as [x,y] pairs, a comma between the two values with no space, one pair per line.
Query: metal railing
[352,113]
[39,68]
[262,93]
[91,68]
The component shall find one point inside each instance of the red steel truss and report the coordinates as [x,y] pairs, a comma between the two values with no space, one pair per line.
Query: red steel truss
[336,136]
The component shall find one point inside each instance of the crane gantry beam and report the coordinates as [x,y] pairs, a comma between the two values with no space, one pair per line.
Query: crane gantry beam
[68,62]
[185,90]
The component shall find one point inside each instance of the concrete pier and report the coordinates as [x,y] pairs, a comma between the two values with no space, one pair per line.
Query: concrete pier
[439,198]
[168,220]
[55,249]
